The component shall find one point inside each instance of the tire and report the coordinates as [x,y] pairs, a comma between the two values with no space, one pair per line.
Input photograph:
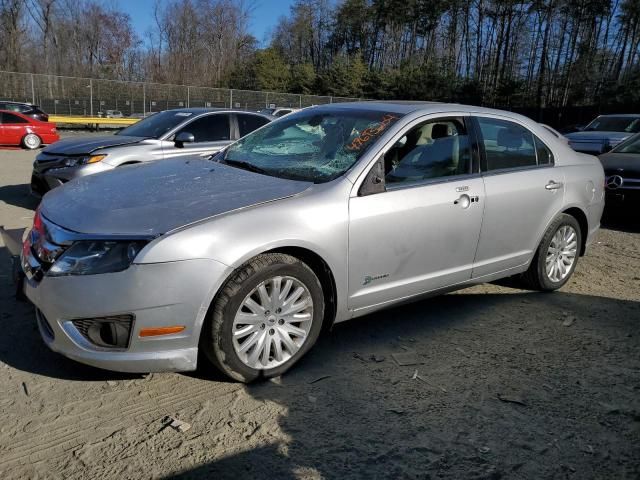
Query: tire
[539,276]
[31,141]
[229,310]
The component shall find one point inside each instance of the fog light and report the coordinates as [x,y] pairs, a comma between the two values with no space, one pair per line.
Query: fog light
[106,332]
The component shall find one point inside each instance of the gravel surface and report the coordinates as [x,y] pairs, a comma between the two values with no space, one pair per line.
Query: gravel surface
[506,383]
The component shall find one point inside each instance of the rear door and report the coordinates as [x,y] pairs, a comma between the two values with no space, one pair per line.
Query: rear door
[523,190]
[211,133]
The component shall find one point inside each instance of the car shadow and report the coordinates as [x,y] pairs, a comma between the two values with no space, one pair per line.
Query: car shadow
[498,380]
[621,219]
[19,196]
[21,346]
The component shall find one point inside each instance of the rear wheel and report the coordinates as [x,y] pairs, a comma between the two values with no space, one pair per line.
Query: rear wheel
[266,317]
[557,255]
[31,141]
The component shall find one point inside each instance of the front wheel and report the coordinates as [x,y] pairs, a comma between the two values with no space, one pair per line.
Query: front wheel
[266,317]
[557,255]
[31,141]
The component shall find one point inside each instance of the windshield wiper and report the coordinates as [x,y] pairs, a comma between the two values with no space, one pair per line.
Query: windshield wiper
[244,165]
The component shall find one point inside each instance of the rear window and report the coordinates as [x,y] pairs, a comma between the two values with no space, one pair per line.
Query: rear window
[507,144]
[249,123]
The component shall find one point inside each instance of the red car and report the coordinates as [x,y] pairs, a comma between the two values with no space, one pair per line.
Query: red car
[18,129]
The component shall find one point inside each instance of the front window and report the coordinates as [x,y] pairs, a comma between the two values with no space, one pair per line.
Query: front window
[630,146]
[156,125]
[615,124]
[315,146]
[210,128]
[431,150]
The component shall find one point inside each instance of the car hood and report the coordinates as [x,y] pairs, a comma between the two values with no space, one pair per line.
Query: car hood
[621,162]
[598,136]
[85,145]
[153,198]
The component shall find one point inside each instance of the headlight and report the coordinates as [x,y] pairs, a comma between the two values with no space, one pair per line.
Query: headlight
[90,257]
[73,161]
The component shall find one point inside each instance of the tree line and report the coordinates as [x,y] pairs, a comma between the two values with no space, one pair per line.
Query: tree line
[507,53]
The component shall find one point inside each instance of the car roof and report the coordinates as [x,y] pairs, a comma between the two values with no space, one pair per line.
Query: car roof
[18,103]
[621,115]
[199,110]
[412,106]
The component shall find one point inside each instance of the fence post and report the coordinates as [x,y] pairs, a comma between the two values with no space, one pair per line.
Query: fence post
[231,98]
[144,100]
[33,91]
[188,96]
[330,99]
[91,96]
[300,101]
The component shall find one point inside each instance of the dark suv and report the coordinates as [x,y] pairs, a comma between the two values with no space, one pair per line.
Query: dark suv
[27,109]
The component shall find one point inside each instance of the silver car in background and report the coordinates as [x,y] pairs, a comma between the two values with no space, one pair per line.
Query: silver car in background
[168,134]
[604,133]
[279,111]
[321,216]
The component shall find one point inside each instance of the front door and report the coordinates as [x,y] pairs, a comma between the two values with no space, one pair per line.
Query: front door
[211,134]
[421,233]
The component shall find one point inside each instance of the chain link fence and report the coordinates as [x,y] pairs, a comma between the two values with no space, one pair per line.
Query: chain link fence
[60,95]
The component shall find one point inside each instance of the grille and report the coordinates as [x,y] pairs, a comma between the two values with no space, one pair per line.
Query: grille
[106,332]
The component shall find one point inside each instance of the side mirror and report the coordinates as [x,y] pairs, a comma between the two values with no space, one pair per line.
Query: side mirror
[182,138]
[374,183]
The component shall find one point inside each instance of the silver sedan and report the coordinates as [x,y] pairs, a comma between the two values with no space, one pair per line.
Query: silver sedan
[169,134]
[325,215]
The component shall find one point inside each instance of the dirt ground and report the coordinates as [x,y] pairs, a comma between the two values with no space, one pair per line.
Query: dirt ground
[510,384]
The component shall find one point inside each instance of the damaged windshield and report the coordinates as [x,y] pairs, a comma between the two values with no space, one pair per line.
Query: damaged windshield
[314,145]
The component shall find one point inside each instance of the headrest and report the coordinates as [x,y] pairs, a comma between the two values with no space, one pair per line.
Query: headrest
[439,130]
[509,139]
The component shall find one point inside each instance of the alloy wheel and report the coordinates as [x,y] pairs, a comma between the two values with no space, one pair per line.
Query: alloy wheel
[31,141]
[273,322]
[561,254]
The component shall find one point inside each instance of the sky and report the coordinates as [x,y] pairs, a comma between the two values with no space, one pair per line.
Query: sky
[265,14]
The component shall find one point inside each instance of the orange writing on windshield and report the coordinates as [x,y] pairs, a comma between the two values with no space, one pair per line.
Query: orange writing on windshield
[371,132]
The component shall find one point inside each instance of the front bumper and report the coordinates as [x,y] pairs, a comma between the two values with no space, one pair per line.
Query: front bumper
[51,174]
[156,295]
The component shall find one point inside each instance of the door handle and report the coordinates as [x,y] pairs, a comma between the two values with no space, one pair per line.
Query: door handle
[552,185]
[464,201]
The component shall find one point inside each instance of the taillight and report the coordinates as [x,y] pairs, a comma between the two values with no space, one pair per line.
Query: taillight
[37,223]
